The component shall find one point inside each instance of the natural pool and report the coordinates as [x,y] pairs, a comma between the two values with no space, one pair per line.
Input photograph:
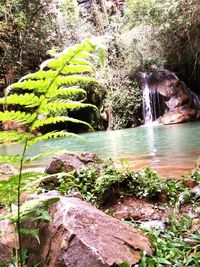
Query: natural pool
[171,149]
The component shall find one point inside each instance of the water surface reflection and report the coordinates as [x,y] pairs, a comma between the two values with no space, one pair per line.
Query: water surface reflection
[172,149]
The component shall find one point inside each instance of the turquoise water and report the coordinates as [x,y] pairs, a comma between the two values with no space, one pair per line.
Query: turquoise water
[171,149]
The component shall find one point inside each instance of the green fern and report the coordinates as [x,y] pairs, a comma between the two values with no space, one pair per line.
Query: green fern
[27,100]
[8,187]
[14,136]
[17,116]
[54,88]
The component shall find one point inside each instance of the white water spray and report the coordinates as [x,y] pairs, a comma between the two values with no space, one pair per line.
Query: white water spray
[147,111]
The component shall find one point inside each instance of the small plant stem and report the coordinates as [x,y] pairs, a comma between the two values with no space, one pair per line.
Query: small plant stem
[18,226]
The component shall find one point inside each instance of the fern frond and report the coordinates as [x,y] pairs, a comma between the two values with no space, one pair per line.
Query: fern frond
[67,92]
[67,56]
[9,187]
[34,206]
[14,136]
[29,187]
[74,80]
[76,69]
[54,120]
[29,208]
[39,75]
[81,61]
[28,100]
[31,231]
[40,86]
[63,104]
[8,192]
[53,135]
[10,159]
[17,116]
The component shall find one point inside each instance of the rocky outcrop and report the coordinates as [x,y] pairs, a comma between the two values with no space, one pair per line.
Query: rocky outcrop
[82,236]
[72,162]
[178,103]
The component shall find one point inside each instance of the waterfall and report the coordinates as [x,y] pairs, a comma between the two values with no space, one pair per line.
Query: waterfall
[167,99]
[147,109]
[153,102]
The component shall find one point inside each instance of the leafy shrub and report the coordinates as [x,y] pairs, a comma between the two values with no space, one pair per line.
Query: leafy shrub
[144,183]
[176,245]
[82,181]
[126,106]
[106,186]
[196,175]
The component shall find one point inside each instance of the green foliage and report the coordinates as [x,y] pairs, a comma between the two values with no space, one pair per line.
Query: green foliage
[177,245]
[46,86]
[60,73]
[196,175]
[10,159]
[35,209]
[123,264]
[8,187]
[164,33]
[126,106]
[82,181]
[145,183]
[110,183]
[13,136]
[27,32]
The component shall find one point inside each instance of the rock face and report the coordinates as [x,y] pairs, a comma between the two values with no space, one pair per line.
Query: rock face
[80,235]
[137,209]
[6,241]
[178,103]
[71,162]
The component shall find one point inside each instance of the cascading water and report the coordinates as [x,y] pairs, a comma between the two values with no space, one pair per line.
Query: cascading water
[153,102]
[147,110]
[167,100]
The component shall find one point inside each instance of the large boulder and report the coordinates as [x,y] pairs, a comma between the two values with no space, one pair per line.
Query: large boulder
[71,162]
[80,235]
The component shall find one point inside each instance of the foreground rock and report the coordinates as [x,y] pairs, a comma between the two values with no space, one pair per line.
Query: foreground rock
[71,162]
[82,236]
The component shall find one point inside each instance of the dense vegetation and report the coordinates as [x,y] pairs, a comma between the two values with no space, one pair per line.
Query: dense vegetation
[140,36]
[175,245]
